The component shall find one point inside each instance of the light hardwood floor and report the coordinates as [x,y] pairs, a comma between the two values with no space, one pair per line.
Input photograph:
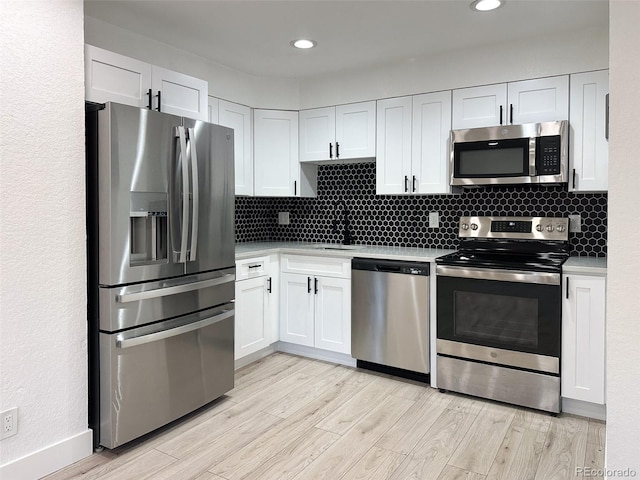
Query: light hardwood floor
[294,418]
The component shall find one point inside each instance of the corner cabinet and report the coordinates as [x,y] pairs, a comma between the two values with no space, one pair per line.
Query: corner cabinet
[111,77]
[256,319]
[276,168]
[338,133]
[589,138]
[413,144]
[315,302]
[528,101]
[583,338]
[239,118]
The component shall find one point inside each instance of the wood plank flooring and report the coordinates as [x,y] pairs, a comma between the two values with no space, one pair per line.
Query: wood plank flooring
[295,418]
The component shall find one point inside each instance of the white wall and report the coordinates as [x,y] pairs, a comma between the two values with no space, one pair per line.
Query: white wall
[43,351]
[569,53]
[623,301]
[224,82]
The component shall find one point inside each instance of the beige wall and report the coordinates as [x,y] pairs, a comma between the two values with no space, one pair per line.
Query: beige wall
[623,295]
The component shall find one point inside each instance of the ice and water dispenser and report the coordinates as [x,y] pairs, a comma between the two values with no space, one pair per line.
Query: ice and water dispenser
[148,230]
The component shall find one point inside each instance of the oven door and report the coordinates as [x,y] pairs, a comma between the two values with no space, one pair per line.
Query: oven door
[500,316]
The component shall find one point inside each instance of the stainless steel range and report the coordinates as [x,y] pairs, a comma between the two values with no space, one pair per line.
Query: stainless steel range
[499,315]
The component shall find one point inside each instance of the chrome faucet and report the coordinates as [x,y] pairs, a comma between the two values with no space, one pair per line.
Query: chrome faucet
[346,233]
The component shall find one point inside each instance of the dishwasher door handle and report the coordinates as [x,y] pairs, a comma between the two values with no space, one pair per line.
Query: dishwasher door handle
[387,268]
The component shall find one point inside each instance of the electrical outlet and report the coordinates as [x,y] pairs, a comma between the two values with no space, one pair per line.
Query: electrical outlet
[9,423]
[434,220]
[283,218]
[575,223]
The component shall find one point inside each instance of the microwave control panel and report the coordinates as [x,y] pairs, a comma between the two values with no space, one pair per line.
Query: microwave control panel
[548,155]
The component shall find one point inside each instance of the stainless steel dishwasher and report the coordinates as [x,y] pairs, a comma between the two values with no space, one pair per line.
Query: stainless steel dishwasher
[390,316]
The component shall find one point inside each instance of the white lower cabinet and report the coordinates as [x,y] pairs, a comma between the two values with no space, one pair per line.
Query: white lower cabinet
[256,319]
[583,339]
[315,309]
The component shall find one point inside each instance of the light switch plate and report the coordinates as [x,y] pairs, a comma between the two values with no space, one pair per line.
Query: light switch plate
[575,223]
[434,220]
[283,218]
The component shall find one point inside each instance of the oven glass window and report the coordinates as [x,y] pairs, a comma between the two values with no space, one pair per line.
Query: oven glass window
[499,319]
[502,162]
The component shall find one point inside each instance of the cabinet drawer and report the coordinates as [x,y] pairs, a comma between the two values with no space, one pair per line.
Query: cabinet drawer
[252,267]
[310,265]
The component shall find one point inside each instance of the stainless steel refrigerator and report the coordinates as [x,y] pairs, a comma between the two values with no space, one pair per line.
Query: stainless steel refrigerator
[161,268]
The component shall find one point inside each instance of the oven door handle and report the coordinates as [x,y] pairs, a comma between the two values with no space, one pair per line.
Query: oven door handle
[520,276]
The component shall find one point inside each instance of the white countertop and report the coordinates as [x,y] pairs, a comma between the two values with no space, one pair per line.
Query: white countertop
[586,266]
[253,249]
[575,265]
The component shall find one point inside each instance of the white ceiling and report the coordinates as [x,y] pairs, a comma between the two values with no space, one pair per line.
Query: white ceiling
[253,35]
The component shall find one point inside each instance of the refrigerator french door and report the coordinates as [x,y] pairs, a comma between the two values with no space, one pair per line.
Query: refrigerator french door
[160,229]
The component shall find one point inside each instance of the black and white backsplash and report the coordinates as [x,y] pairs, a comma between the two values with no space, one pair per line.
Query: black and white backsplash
[399,220]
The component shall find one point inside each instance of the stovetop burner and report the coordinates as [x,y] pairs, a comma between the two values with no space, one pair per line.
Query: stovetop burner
[513,243]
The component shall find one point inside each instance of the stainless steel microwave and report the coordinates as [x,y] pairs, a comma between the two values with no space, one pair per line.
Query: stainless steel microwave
[510,154]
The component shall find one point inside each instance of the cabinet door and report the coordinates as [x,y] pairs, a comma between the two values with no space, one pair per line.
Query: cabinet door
[213,110]
[239,118]
[393,161]
[252,330]
[583,339]
[277,170]
[430,142]
[479,106]
[296,309]
[539,100]
[333,314]
[317,134]
[110,77]
[356,130]
[589,150]
[180,94]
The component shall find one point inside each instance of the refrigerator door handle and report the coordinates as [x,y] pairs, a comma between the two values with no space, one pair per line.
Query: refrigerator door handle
[173,332]
[163,292]
[194,194]
[185,195]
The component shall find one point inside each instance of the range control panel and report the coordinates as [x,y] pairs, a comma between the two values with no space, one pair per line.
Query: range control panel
[524,228]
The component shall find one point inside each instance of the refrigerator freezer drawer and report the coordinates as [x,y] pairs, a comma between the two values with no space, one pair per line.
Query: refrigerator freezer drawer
[153,375]
[138,305]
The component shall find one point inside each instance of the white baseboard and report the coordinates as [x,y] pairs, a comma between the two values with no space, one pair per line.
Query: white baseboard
[316,353]
[49,459]
[255,356]
[584,409]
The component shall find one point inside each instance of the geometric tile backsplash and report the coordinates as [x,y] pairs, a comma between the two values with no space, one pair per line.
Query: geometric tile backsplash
[400,220]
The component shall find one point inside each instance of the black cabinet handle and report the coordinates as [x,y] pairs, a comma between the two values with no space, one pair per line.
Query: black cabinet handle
[606,116]
[330,150]
[308,284]
[567,293]
[337,150]
[295,187]
[500,114]
[150,104]
[414,183]
[574,178]
[255,266]
[269,284]
[511,113]
[159,101]
[406,183]
[315,286]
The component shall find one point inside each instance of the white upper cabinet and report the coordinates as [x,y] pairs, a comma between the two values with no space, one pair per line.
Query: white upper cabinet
[589,138]
[528,101]
[393,160]
[338,133]
[111,77]
[413,144]
[277,170]
[430,142]
[583,339]
[213,110]
[239,118]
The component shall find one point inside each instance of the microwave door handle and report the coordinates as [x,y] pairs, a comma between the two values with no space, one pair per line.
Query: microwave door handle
[185,195]
[194,195]
[532,157]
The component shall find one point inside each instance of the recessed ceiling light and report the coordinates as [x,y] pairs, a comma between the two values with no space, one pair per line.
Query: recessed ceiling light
[303,43]
[486,5]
